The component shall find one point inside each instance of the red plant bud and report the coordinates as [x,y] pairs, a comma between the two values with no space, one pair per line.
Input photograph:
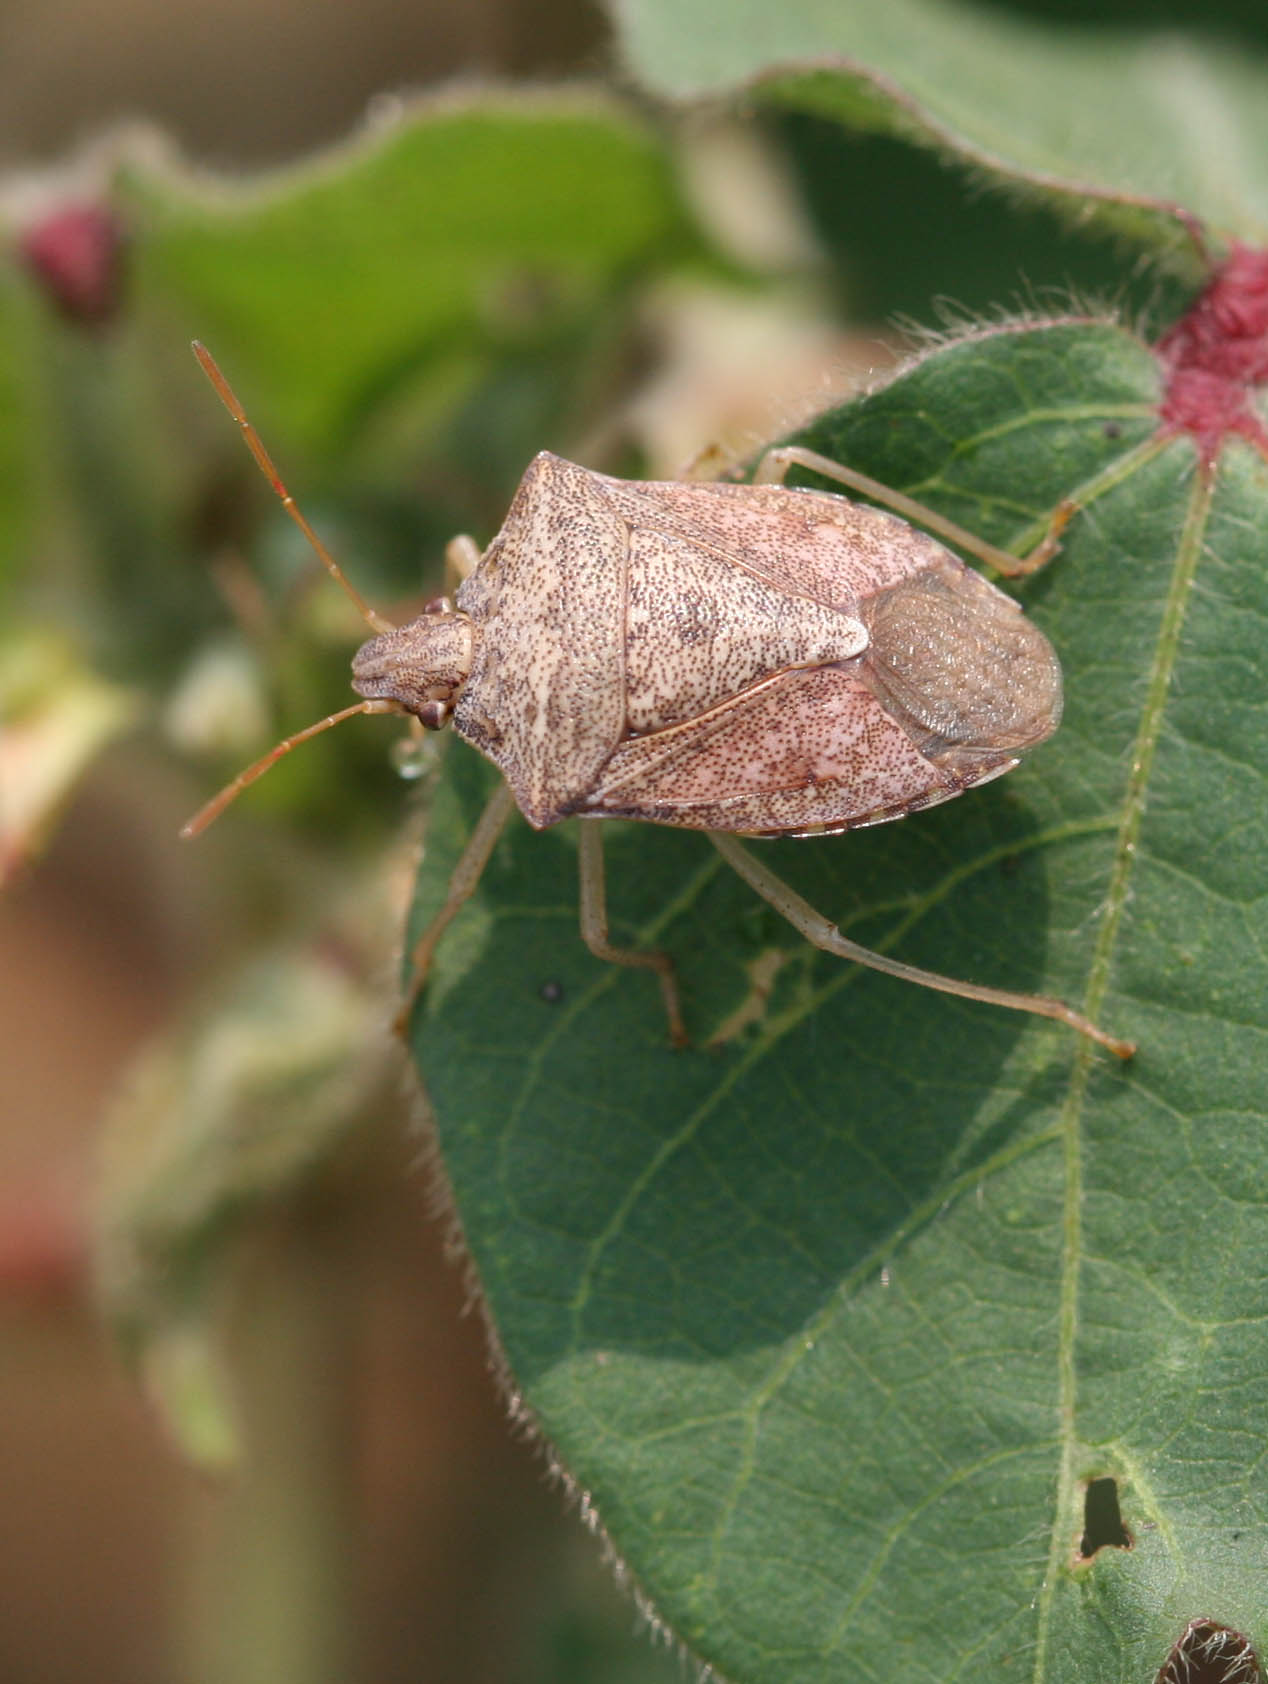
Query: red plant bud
[76,257]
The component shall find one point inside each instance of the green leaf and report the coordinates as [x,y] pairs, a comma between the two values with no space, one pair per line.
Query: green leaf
[484,220]
[833,1321]
[1119,126]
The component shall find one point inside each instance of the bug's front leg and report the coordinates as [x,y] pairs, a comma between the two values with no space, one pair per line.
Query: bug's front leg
[462,557]
[594,929]
[773,469]
[822,933]
[462,885]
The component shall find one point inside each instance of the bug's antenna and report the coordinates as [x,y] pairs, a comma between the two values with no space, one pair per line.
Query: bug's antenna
[232,790]
[256,446]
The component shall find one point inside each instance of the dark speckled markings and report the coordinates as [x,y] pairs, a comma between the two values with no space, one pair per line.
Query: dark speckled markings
[726,657]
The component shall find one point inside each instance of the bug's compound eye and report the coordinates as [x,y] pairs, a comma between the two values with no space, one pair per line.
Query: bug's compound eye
[437,605]
[434,716]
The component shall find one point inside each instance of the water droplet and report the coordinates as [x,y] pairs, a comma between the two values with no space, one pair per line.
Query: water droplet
[411,756]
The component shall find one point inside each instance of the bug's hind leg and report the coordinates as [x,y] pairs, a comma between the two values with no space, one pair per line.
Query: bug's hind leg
[594,929]
[462,884]
[823,934]
[773,468]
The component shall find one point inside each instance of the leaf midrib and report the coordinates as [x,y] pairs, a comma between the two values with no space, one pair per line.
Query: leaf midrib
[1188,551]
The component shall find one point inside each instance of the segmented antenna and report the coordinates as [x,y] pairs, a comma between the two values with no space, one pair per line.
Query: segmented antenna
[265,462]
[213,809]
[233,789]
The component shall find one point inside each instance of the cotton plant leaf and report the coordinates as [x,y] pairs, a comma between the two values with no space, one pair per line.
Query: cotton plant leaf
[834,1315]
[1114,125]
[474,223]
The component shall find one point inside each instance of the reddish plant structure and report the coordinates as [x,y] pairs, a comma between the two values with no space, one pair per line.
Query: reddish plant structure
[1216,355]
[75,254]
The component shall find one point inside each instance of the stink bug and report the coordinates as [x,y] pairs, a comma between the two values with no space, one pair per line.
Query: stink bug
[745,659]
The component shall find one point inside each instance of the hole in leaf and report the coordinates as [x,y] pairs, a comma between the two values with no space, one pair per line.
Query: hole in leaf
[1207,1653]
[1102,1523]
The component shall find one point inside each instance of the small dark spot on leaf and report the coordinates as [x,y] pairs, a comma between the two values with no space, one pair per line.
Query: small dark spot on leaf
[1010,865]
[1102,1523]
[1207,1653]
[552,992]
[1112,430]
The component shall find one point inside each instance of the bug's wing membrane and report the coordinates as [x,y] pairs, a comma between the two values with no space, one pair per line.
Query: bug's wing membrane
[810,750]
[961,662]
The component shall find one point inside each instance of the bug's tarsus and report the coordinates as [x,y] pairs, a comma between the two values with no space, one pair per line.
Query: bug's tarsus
[462,884]
[594,929]
[209,813]
[1049,545]
[264,461]
[822,933]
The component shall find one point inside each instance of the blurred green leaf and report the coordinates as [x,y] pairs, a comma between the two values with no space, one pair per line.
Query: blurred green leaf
[477,221]
[1114,126]
[905,233]
[832,1323]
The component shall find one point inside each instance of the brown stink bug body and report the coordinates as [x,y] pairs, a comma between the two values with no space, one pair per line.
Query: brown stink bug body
[750,659]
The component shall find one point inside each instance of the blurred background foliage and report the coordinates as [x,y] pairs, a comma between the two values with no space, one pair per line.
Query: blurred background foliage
[485,268]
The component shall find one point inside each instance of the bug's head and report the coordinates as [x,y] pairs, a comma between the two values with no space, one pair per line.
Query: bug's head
[421,666]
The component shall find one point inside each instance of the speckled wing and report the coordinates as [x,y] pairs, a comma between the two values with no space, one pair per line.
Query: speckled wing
[807,751]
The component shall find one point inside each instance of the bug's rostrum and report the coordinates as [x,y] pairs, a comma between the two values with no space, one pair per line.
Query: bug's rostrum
[418,665]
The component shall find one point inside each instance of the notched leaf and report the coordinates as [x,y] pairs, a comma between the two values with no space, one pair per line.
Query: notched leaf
[712,1225]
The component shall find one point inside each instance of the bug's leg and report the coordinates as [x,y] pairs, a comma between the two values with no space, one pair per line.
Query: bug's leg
[466,874]
[462,557]
[773,469]
[823,934]
[594,929]
[1049,544]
